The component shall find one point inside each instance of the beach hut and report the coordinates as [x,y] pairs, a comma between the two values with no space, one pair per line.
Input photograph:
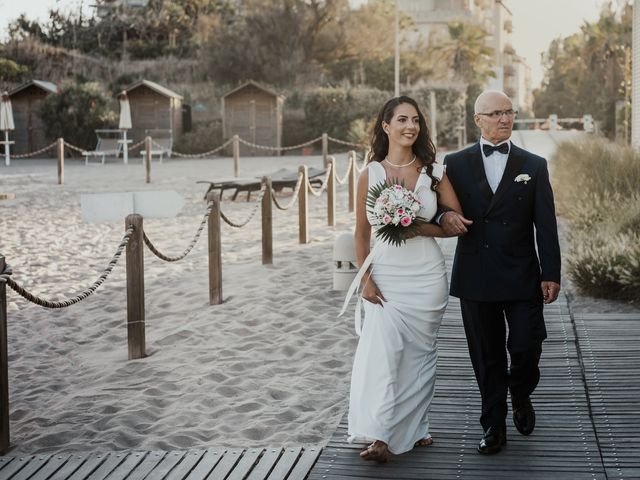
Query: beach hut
[29,130]
[255,114]
[155,110]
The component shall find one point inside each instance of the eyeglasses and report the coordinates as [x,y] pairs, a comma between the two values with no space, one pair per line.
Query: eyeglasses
[496,114]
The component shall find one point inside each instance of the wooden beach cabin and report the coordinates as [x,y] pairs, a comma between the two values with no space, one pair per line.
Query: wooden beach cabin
[25,102]
[154,107]
[255,114]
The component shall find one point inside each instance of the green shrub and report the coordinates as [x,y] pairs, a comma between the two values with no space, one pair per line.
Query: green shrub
[595,182]
[605,265]
[75,112]
[204,137]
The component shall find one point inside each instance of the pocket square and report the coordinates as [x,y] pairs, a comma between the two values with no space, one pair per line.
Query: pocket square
[523,177]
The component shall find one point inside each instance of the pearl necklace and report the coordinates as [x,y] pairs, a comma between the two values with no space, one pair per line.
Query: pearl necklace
[386,159]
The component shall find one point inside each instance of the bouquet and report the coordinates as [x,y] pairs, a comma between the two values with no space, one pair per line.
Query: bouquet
[396,209]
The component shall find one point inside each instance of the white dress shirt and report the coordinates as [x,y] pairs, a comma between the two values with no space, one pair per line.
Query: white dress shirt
[494,164]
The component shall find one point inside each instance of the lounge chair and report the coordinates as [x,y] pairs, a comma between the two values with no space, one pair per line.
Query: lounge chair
[162,144]
[280,179]
[107,146]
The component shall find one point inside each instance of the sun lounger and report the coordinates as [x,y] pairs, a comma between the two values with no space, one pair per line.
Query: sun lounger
[162,144]
[106,147]
[280,179]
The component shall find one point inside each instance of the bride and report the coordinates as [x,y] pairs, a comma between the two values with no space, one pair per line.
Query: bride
[404,291]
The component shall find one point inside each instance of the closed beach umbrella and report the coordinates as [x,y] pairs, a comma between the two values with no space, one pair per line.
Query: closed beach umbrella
[124,124]
[6,124]
[125,112]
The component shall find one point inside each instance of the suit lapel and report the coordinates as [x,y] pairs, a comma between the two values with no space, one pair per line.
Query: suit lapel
[477,167]
[513,167]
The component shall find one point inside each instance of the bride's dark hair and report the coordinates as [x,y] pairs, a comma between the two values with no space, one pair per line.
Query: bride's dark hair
[423,148]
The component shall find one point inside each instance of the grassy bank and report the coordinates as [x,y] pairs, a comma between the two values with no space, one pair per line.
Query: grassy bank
[597,187]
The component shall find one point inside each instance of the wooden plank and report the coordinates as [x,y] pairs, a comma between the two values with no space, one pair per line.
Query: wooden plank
[149,462]
[88,466]
[4,461]
[106,467]
[52,466]
[207,463]
[306,461]
[285,464]
[246,464]
[35,464]
[189,460]
[226,464]
[169,461]
[265,464]
[69,467]
[125,468]
[15,466]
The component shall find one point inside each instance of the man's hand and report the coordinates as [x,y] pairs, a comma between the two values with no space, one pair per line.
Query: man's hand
[550,291]
[454,224]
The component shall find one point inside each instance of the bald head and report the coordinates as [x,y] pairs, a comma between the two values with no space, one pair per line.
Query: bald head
[497,127]
[487,99]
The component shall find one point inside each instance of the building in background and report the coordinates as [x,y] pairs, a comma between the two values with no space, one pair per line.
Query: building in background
[432,17]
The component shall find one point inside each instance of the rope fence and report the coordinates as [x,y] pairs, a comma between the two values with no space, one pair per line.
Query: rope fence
[135,239]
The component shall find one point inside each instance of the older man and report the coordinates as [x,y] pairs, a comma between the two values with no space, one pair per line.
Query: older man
[508,203]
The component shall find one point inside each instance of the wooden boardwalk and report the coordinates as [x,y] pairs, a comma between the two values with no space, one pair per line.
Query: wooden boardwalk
[588,423]
[587,404]
[212,464]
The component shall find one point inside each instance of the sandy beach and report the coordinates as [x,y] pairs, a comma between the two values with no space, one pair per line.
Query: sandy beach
[270,366]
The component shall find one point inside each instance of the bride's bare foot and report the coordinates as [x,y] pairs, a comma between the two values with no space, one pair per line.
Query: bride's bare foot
[424,442]
[377,451]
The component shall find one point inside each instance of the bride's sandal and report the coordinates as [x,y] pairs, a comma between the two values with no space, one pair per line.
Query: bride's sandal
[424,442]
[377,451]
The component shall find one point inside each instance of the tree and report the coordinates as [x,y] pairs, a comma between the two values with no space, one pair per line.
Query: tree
[589,72]
[75,112]
[277,44]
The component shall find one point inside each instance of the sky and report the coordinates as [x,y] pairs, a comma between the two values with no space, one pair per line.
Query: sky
[535,22]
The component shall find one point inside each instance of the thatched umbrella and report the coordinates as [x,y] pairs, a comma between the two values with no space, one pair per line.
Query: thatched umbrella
[6,124]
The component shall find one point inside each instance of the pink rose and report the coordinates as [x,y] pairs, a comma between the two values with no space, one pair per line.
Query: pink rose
[401,211]
[405,221]
[386,219]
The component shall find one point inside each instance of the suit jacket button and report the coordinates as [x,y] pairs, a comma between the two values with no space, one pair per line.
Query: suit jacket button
[485,220]
[504,222]
[486,245]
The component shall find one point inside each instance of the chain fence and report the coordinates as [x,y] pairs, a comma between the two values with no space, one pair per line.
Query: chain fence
[43,302]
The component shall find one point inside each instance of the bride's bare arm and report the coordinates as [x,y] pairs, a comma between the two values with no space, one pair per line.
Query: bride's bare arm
[370,291]
[446,196]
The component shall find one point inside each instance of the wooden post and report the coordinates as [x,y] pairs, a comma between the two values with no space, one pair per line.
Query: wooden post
[215,251]
[331,193]
[236,155]
[60,152]
[135,288]
[267,223]
[353,177]
[147,158]
[325,149]
[4,366]
[303,208]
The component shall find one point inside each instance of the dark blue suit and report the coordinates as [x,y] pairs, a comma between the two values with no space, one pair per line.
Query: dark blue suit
[497,271]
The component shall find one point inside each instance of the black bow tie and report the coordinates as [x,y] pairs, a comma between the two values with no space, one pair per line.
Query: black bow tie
[489,149]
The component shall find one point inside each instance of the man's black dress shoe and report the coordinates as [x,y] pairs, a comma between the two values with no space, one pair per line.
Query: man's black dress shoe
[524,416]
[493,440]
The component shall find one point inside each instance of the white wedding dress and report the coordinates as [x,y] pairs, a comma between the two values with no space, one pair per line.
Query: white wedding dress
[394,369]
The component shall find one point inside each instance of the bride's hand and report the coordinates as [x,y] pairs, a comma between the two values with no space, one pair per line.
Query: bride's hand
[371,293]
